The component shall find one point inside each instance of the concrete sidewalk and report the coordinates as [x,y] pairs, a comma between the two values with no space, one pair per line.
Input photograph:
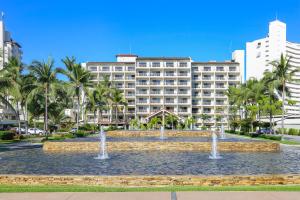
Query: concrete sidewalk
[152,196]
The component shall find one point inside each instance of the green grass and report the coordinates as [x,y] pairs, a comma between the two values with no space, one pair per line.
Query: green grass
[265,139]
[76,188]
[290,142]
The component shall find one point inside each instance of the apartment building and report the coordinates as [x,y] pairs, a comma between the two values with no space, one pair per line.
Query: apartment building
[8,47]
[175,84]
[259,54]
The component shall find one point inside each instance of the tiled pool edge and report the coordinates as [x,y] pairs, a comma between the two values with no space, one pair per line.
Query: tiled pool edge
[151,181]
[162,146]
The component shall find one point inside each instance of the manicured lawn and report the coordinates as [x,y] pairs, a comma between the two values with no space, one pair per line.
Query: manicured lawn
[74,188]
[257,138]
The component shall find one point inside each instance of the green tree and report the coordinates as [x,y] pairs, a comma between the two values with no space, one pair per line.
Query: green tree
[79,81]
[283,72]
[45,78]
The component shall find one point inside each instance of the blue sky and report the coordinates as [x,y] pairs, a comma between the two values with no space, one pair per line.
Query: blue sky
[97,30]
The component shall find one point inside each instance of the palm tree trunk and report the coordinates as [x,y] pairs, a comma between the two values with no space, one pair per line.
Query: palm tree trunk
[94,121]
[78,112]
[18,118]
[283,107]
[46,112]
[116,115]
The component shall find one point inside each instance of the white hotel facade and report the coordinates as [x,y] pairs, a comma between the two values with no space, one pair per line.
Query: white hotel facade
[261,52]
[175,84]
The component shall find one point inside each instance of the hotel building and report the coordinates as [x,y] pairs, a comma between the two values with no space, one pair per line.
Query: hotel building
[175,84]
[261,52]
[8,47]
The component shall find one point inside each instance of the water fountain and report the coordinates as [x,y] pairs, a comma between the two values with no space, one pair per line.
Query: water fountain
[162,133]
[214,147]
[222,133]
[103,152]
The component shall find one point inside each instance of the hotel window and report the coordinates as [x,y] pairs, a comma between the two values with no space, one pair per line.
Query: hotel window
[93,68]
[170,64]
[183,64]
[142,64]
[207,69]
[155,64]
[105,69]
[118,69]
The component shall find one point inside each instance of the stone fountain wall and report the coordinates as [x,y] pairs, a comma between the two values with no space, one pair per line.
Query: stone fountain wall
[162,146]
[151,181]
[156,133]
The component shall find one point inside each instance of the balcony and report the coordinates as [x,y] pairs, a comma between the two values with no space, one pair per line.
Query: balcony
[155,92]
[232,78]
[182,101]
[131,69]
[130,86]
[155,74]
[220,78]
[183,92]
[169,74]
[207,94]
[232,69]
[183,83]
[142,74]
[155,101]
[183,74]
[170,102]
[207,69]
[183,65]
[142,92]
[206,86]
[207,103]
[155,83]
[220,86]
[142,102]
[142,83]
[206,78]
[142,111]
[169,92]
[169,83]
[220,69]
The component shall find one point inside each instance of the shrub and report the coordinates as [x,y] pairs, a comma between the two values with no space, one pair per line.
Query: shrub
[299,132]
[293,131]
[282,131]
[87,127]
[80,134]
[271,137]
[7,135]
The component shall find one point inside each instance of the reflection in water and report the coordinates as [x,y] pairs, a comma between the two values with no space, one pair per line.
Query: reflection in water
[35,161]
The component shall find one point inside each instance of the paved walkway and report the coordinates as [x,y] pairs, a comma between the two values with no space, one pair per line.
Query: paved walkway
[152,196]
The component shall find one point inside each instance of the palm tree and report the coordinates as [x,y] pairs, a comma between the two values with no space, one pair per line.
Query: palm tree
[79,79]
[11,80]
[171,119]
[284,72]
[117,99]
[45,77]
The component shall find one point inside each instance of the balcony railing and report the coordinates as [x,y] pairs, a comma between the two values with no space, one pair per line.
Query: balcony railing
[142,74]
[220,86]
[140,92]
[169,74]
[206,86]
[169,83]
[183,92]
[142,83]
[206,78]
[152,101]
[169,92]
[155,92]
[155,74]
[155,83]
[232,69]
[183,83]
[183,74]
[170,101]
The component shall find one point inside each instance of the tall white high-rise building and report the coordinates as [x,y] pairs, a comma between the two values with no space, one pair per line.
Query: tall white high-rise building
[261,52]
[8,47]
[176,85]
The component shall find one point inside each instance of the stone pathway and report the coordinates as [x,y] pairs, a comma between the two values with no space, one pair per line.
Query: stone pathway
[152,196]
